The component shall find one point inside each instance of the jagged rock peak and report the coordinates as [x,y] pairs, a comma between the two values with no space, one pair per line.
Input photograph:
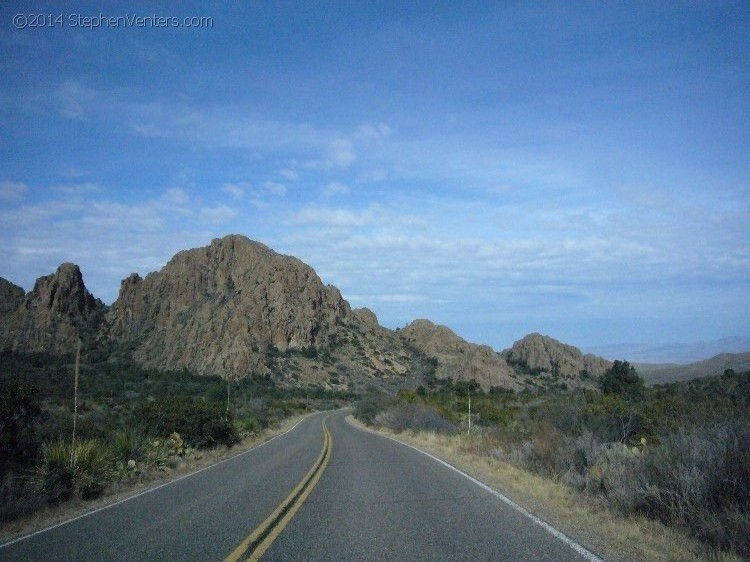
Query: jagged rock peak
[64,292]
[366,317]
[536,353]
[217,309]
[52,317]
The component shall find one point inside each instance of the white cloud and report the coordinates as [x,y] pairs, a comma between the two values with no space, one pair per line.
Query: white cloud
[72,100]
[12,191]
[332,217]
[289,174]
[372,176]
[107,239]
[175,196]
[218,214]
[78,188]
[336,188]
[374,214]
[374,132]
[341,153]
[235,190]
[275,188]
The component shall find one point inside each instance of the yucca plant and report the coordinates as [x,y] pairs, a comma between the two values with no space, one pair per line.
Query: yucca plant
[126,446]
[82,468]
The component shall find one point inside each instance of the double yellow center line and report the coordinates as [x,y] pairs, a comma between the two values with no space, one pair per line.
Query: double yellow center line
[256,544]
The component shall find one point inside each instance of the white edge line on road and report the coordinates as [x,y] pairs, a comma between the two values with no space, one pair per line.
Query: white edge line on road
[148,491]
[587,554]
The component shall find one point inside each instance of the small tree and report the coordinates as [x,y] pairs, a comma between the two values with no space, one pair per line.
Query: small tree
[20,414]
[622,380]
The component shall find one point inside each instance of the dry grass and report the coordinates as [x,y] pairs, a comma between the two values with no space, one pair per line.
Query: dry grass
[582,517]
[49,516]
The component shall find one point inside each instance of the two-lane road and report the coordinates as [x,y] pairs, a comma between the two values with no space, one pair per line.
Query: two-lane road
[350,496]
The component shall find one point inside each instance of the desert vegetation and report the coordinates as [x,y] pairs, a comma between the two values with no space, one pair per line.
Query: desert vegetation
[677,453]
[131,423]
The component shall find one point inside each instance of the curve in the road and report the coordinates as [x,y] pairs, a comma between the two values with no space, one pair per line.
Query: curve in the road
[256,544]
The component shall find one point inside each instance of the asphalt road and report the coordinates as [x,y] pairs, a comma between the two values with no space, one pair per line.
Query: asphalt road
[372,499]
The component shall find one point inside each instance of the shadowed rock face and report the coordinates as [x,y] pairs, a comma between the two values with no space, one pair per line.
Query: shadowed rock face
[52,316]
[217,309]
[457,358]
[11,297]
[536,353]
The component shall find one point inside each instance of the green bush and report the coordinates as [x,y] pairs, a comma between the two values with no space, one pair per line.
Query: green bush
[200,423]
[126,446]
[622,379]
[249,424]
[369,406]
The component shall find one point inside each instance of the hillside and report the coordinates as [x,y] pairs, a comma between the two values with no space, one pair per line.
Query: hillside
[458,359]
[662,374]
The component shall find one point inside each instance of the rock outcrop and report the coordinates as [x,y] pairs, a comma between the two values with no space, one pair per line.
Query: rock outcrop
[52,317]
[11,297]
[220,309]
[537,354]
[459,359]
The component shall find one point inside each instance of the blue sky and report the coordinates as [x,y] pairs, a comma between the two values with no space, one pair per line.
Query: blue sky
[576,169]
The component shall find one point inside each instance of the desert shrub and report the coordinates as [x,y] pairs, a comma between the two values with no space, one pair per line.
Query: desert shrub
[698,478]
[18,496]
[579,453]
[417,417]
[542,453]
[369,406]
[617,473]
[65,470]
[201,423]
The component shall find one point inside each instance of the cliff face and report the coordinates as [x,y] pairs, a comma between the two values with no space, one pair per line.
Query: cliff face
[459,359]
[538,354]
[217,309]
[52,316]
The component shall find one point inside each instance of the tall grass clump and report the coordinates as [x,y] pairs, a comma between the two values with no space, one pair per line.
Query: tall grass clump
[126,446]
[65,470]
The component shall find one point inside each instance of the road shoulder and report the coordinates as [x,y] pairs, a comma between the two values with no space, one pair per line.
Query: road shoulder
[582,518]
[54,516]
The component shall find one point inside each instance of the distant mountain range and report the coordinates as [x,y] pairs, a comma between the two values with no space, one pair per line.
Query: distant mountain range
[673,353]
[236,308]
[664,373]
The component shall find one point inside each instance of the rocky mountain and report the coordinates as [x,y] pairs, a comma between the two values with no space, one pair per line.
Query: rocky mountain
[219,309]
[52,317]
[236,308]
[536,354]
[459,359]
